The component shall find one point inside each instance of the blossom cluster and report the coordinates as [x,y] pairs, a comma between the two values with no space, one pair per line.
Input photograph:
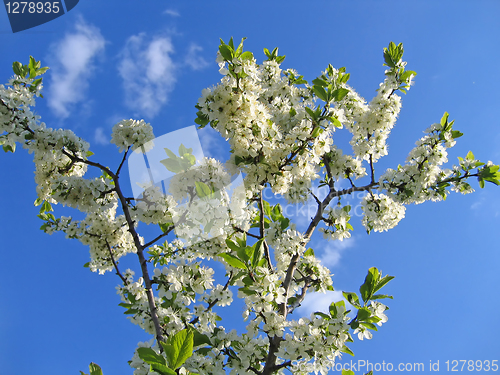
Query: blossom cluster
[264,119]
[131,133]
[381,212]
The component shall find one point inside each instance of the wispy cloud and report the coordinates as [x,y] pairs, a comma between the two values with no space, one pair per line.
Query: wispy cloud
[99,137]
[193,59]
[332,253]
[172,13]
[319,302]
[148,73]
[477,204]
[72,62]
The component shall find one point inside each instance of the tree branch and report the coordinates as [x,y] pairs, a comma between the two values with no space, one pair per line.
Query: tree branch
[262,235]
[125,282]
[214,302]
[137,242]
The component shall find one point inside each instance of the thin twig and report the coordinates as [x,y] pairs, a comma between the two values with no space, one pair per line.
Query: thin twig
[137,242]
[244,231]
[214,302]
[262,234]
[125,282]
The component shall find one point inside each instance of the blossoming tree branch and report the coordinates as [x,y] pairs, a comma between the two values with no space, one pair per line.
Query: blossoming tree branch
[281,131]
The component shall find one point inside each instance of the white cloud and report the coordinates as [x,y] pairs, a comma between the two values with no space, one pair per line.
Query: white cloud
[192,59]
[477,204]
[148,73]
[332,253]
[72,61]
[99,137]
[172,13]
[320,302]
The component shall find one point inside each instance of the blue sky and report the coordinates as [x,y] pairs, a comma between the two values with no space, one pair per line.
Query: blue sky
[125,59]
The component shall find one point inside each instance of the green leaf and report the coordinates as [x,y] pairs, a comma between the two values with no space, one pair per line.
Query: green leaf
[381,296]
[242,241]
[165,227]
[232,245]
[323,315]
[267,208]
[345,349]
[200,339]
[233,261]
[172,165]
[131,311]
[244,253]
[334,308]
[469,156]
[258,251]
[239,50]
[407,74]
[247,291]
[335,122]
[36,82]
[95,369]
[238,160]
[226,52]
[384,280]
[340,94]
[364,314]
[16,67]
[284,223]
[202,121]
[352,298]
[162,369]
[368,287]
[347,372]
[311,113]
[309,252]
[317,131]
[203,190]
[444,119]
[321,93]
[9,148]
[388,58]
[170,154]
[319,82]
[41,71]
[182,344]
[246,56]
[276,212]
[369,326]
[149,356]
[490,174]
[183,150]
[372,319]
